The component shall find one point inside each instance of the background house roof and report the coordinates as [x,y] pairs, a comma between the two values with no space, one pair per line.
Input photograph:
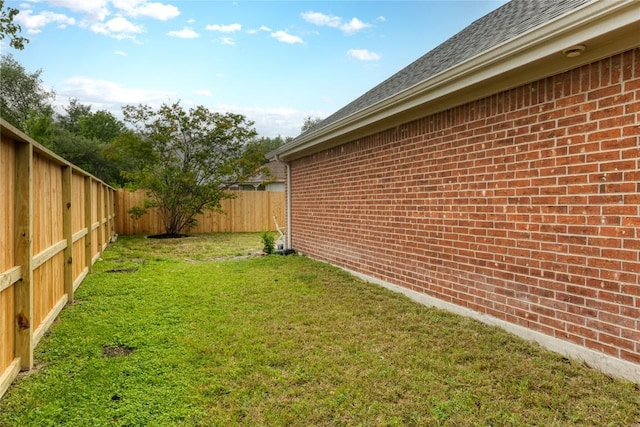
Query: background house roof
[504,23]
[268,173]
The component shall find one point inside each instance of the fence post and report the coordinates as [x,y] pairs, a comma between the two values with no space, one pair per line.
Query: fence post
[111,215]
[23,289]
[88,222]
[117,220]
[67,231]
[105,218]
[100,214]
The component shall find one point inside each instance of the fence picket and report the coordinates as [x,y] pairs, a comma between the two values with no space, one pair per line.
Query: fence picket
[247,211]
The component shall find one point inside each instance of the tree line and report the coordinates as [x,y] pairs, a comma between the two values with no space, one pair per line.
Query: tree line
[86,138]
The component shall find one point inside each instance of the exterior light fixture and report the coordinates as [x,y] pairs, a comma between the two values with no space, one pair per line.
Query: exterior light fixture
[573,51]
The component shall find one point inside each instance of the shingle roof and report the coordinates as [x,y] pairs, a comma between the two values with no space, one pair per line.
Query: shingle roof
[504,23]
[269,173]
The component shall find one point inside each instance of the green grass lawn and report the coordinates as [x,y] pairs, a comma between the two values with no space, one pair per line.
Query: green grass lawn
[196,332]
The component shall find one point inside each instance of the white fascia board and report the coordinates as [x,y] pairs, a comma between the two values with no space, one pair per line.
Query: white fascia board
[592,21]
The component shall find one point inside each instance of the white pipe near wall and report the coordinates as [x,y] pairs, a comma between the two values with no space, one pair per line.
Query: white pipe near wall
[288,209]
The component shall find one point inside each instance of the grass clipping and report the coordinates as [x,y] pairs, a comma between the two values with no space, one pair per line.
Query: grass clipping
[273,341]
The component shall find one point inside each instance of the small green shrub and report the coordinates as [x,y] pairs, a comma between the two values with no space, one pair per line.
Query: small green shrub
[268,242]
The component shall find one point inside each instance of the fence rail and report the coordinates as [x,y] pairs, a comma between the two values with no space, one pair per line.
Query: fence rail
[55,222]
[248,211]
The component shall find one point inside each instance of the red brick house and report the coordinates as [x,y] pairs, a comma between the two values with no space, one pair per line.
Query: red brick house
[498,177]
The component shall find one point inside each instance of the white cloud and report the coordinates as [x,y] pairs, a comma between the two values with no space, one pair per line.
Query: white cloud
[381,19]
[284,37]
[111,96]
[120,53]
[105,92]
[231,28]
[185,33]
[228,41]
[118,28]
[191,21]
[354,26]
[219,75]
[271,121]
[98,10]
[33,24]
[322,20]
[262,28]
[94,10]
[155,10]
[363,55]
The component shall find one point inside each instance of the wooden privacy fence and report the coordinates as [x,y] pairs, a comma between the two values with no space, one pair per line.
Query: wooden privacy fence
[55,221]
[249,211]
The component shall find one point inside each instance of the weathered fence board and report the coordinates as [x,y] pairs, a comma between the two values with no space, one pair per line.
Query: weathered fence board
[248,211]
[55,221]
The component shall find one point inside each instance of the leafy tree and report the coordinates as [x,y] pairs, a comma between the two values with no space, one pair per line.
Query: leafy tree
[310,122]
[80,120]
[101,125]
[22,94]
[269,144]
[82,137]
[10,28]
[85,138]
[83,152]
[75,112]
[187,160]
[41,126]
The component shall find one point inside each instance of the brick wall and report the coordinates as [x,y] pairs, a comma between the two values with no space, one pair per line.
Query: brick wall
[523,205]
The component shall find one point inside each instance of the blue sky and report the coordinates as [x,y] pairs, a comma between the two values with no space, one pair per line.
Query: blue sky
[275,62]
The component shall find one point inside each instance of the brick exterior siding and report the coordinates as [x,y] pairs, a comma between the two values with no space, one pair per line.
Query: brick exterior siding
[523,205]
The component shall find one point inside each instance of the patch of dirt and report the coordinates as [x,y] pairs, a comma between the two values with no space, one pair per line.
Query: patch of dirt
[122,270]
[116,350]
[37,367]
[167,236]
[133,260]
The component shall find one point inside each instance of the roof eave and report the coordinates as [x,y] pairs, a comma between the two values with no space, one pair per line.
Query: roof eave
[605,27]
